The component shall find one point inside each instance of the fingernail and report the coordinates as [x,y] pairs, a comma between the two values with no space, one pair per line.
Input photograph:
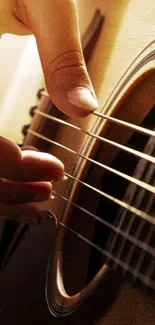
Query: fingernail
[64,178]
[82,97]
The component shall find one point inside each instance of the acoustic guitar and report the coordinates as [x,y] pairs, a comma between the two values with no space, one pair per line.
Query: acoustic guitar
[102,266]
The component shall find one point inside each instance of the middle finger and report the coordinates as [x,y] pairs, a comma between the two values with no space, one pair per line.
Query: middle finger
[17,193]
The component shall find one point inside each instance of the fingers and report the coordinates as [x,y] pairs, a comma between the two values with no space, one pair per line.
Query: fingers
[18,193]
[37,166]
[55,25]
[25,177]
[28,165]
[10,158]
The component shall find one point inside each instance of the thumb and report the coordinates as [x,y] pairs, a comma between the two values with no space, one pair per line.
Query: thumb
[55,26]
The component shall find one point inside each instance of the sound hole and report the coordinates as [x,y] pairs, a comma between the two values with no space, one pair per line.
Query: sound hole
[80,259]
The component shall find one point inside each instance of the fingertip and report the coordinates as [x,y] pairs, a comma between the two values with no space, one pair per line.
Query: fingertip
[82,98]
[41,166]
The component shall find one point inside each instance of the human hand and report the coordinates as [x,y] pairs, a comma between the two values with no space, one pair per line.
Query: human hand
[25,177]
[55,26]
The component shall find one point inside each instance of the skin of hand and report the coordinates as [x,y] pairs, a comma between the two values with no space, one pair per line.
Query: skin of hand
[25,176]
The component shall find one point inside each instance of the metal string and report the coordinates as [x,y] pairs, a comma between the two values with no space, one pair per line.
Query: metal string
[143,215]
[143,245]
[110,142]
[128,207]
[131,126]
[144,278]
[131,179]
[138,232]
[117,201]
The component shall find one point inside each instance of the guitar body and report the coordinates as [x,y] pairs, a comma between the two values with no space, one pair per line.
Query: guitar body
[124,81]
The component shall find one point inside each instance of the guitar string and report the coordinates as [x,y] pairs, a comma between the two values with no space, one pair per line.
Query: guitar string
[123,204]
[140,198]
[58,120]
[131,126]
[127,177]
[151,267]
[134,240]
[150,270]
[144,246]
[147,279]
[148,239]
[113,143]
[119,202]
[144,278]
[116,260]
[131,249]
[131,179]
[141,258]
